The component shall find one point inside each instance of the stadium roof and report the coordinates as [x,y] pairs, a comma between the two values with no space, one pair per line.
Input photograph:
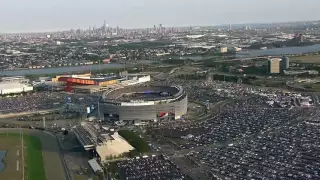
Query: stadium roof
[117,94]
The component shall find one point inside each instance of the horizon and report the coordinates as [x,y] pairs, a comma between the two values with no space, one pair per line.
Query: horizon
[218,25]
[47,16]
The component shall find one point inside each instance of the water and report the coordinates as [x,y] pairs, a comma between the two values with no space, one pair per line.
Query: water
[244,54]
[280,51]
[2,155]
[267,52]
[61,70]
[194,58]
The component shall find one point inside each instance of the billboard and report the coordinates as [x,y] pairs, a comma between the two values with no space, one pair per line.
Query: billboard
[137,103]
[68,100]
[91,107]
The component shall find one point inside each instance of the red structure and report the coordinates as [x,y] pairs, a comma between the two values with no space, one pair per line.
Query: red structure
[68,87]
[78,80]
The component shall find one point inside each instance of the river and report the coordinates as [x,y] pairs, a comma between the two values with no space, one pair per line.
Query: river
[280,51]
[58,70]
[267,52]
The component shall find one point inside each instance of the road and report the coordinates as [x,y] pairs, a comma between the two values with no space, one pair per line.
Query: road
[53,163]
[11,115]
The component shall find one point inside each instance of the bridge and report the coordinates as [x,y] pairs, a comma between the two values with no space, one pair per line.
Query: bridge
[249,59]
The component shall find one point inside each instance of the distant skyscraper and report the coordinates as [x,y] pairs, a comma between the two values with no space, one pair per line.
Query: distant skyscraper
[301,38]
[104,26]
[230,27]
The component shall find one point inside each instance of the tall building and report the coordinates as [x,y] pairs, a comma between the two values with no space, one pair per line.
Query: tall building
[223,49]
[230,27]
[104,28]
[274,65]
[301,38]
[284,65]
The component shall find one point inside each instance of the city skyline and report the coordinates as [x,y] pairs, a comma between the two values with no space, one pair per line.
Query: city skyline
[40,16]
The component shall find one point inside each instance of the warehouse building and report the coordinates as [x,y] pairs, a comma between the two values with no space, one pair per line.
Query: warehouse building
[14,88]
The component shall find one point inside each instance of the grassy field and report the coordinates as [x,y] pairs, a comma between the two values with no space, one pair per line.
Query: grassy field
[269,82]
[315,59]
[32,157]
[312,87]
[34,160]
[134,140]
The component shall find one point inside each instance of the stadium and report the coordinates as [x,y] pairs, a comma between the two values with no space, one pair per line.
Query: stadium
[143,103]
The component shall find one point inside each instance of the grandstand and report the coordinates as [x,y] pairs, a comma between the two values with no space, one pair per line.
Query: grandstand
[105,143]
[136,103]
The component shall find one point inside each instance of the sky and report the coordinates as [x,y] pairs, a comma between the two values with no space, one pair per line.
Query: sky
[52,15]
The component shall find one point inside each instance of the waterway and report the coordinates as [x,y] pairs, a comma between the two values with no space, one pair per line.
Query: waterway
[2,155]
[58,70]
[280,51]
[267,52]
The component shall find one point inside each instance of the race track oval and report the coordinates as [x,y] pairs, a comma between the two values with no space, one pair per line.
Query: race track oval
[53,163]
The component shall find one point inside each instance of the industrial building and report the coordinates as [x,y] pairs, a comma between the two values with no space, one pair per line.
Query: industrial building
[138,104]
[14,88]
[223,49]
[274,65]
[19,79]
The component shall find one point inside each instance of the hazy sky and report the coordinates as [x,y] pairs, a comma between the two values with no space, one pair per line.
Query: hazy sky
[42,15]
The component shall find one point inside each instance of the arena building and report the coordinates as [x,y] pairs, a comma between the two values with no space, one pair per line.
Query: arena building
[143,103]
[88,83]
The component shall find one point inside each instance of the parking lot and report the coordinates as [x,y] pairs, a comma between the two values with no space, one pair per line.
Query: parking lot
[146,168]
[292,152]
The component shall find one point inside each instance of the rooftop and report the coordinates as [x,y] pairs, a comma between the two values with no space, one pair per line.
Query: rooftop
[11,85]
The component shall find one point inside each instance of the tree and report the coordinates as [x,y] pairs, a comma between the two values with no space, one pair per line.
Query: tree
[100,175]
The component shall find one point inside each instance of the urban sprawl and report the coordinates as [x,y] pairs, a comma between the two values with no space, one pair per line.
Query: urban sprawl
[223,102]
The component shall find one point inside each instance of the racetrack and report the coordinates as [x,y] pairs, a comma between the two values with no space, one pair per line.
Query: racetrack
[53,164]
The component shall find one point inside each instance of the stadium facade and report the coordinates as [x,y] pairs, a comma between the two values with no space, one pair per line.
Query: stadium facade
[144,103]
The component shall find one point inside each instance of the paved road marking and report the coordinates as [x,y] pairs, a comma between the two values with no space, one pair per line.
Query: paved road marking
[18,152]
[17,165]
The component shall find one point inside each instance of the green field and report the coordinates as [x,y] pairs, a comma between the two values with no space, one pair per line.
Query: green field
[134,140]
[314,59]
[34,160]
[312,87]
[32,157]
